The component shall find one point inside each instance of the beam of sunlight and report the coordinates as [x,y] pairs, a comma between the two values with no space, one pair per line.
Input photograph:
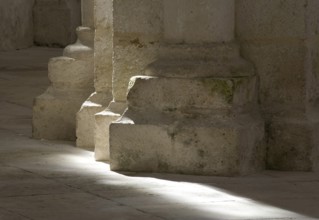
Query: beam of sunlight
[210,200]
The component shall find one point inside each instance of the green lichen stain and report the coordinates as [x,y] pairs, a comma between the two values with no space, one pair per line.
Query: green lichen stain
[225,87]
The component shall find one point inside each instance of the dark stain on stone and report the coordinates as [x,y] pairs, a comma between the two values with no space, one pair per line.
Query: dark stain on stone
[137,43]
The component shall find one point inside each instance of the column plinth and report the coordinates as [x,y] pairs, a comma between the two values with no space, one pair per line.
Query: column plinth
[195,111]
[71,76]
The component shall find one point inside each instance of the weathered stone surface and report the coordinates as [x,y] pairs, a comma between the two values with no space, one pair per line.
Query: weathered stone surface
[103,67]
[284,50]
[103,50]
[294,144]
[55,21]
[54,111]
[196,112]
[202,126]
[16,24]
[135,45]
[54,114]
[187,25]
[225,147]
[85,121]
[102,129]
[191,96]
[135,40]
[71,76]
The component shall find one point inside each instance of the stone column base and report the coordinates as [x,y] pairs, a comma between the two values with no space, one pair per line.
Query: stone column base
[206,147]
[54,114]
[102,123]
[85,119]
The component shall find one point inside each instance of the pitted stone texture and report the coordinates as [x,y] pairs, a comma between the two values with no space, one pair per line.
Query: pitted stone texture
[65,72]
[225,147]
[184,22]
[85,122]
[103,41]
[17,25]
[54,114]
[285,53]
[207,126]
[54,111]
[294,144]
[72,82]
[103,68]
[135,45]
[103,121]
[253,19]
[192,96]
[55,21]
[135,40]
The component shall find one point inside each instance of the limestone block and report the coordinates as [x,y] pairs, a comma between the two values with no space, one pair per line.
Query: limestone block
[54,113]
[127,62]
[184,22]
[281,68]
[294,144]
[85,122]
[191,96]
[284,50]
[55,21]
[103,44]
[209,147]
[207,126]
[66,72]
[261,19]
[103,50]
[137,32]
[102,125]
[17,26]
[135,41]
[147,22]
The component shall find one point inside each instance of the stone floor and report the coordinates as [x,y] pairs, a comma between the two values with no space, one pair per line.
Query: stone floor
[42,180]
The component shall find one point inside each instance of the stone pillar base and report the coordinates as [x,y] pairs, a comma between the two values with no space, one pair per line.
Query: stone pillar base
[85,119]
[202,118]
[102,123]
[54,114]
[54,111]
[206,147]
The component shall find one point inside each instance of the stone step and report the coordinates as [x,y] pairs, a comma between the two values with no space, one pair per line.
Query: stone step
[192,96]
[70,72]
[227,147]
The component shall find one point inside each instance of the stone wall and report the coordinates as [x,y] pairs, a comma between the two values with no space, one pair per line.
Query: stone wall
[16,24]
[281,38]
